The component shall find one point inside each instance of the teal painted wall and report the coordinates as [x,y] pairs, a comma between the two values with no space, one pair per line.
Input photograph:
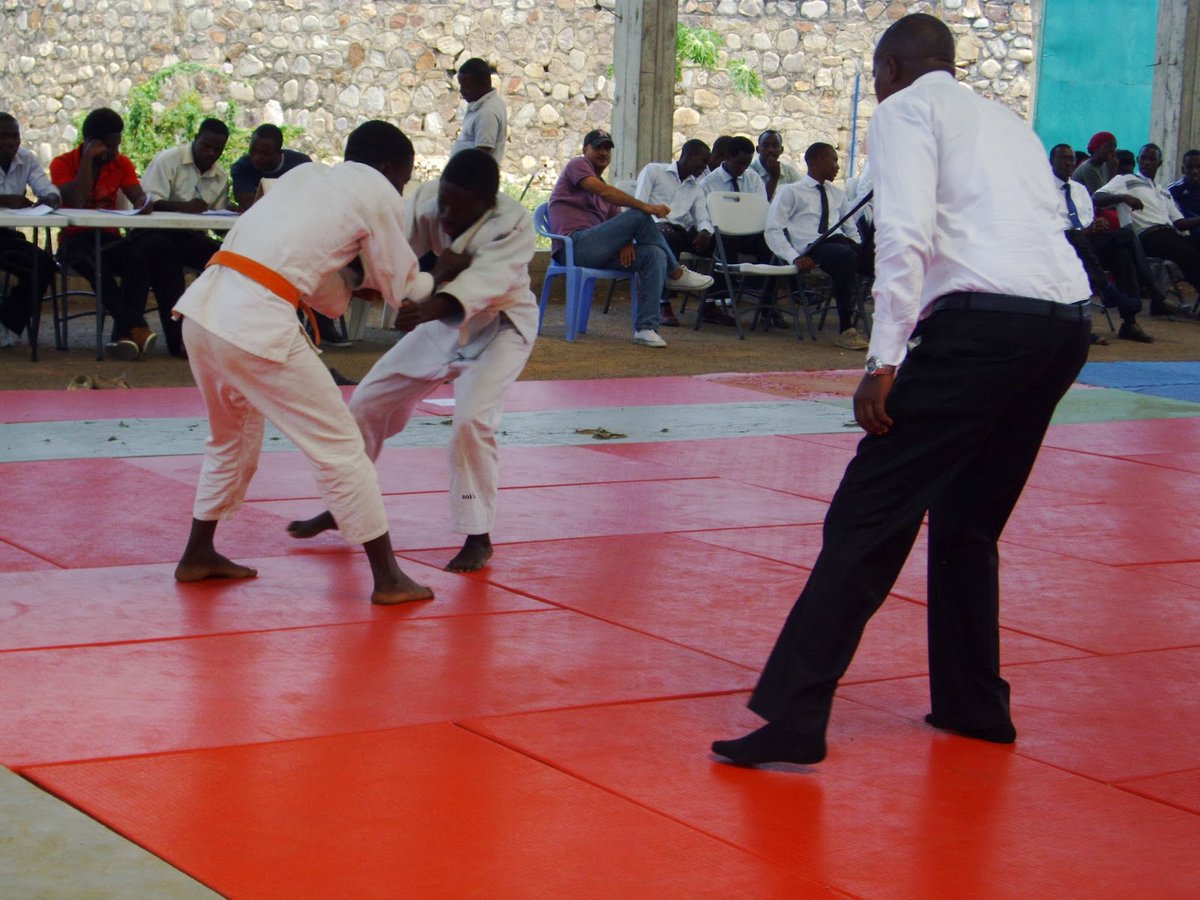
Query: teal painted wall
[1096,71]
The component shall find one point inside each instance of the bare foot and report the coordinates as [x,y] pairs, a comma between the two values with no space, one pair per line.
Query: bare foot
[475,552]
[306,528]
[210,565]
[400,589]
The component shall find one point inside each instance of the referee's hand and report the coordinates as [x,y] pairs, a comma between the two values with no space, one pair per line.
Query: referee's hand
[870,402]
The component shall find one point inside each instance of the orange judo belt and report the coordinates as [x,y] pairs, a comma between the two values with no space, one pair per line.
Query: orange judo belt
[268,278]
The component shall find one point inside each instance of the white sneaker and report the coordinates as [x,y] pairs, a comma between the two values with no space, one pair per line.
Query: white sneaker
[648,338]
[689,281]
[7,338]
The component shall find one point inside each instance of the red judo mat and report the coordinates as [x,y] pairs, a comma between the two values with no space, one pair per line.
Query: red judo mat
[541,728]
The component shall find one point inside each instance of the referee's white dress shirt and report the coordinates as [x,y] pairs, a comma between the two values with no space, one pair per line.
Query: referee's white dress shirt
[964,201]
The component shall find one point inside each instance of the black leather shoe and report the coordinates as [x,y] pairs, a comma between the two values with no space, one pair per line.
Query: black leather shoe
[1132,331]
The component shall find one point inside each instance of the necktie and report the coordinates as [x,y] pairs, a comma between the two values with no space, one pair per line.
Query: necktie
[735,184]
[823,225]
[1072,211]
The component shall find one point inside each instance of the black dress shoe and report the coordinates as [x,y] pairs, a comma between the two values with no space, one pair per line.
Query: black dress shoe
[1132,331]
[772,743]
[996,734]
[717,316]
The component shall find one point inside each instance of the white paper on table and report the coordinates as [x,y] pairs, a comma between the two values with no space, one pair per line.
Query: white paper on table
[127,212]
[40,210]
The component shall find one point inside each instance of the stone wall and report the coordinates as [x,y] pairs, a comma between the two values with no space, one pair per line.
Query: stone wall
[326,65]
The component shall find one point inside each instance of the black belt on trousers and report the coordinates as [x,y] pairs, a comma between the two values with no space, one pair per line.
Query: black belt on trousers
[1010,303]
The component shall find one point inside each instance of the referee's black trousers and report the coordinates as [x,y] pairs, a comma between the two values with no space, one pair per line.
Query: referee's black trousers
[970,406]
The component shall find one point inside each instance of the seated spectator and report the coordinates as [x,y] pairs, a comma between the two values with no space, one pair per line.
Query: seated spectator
[1099,247]
[268,158]
[768,165]
[1156,219]
[687,226]
[20,172]
[1099,167]
[587,209]
[1124,161]
[720,149]
[802,212]
[1186,191]
[93,176]
[734,173]
[485,125]
[186,179]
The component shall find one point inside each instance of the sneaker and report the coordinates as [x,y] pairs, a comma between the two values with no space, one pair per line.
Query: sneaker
[7,338]
[125,348]
[648,338]
[689,281]
[144,339]
[666,316]
[850,339]
[1132,331]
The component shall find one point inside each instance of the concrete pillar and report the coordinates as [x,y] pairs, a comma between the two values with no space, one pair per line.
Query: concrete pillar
[1175,108]
[644,85]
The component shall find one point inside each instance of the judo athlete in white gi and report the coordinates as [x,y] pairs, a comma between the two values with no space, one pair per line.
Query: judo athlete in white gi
[477,331]
[253,361]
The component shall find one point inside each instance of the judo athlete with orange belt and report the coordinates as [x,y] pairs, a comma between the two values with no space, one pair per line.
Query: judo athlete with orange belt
[299,246]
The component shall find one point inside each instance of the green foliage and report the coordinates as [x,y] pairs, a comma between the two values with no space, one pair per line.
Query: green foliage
[148,133]
[698,46]
[745,79]
[701,47]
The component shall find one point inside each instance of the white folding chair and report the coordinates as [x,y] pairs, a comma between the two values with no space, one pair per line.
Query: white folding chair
[743,214]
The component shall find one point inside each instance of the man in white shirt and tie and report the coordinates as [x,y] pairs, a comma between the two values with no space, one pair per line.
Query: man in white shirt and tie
[676,185]
[734,172]
[1155,216]
[969,244]
[1099,247]
[803,211]
[769,167]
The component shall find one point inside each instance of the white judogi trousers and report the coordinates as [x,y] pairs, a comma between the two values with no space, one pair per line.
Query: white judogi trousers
[299,398]
[482,370]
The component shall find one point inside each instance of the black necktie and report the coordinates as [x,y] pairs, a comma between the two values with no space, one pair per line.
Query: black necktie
[823,225]
[735,187]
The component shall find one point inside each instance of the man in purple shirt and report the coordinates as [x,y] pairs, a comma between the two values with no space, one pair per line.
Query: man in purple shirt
[585,207]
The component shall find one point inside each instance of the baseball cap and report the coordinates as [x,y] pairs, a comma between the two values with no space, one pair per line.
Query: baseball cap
[598,138]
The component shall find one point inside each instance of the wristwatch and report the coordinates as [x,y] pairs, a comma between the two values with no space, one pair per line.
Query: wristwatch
[875,367]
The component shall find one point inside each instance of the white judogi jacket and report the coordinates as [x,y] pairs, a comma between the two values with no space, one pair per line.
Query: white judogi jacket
[501,246]
[314,222]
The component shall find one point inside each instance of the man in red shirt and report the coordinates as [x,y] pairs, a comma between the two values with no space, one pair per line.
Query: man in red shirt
[90,177]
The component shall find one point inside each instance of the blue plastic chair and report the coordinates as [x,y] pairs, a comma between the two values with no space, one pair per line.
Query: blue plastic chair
[580,280]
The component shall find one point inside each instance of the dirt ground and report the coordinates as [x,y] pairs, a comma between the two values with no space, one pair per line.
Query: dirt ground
[606,351]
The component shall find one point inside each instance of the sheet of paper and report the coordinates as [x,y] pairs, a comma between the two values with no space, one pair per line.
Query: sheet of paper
[40,210]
